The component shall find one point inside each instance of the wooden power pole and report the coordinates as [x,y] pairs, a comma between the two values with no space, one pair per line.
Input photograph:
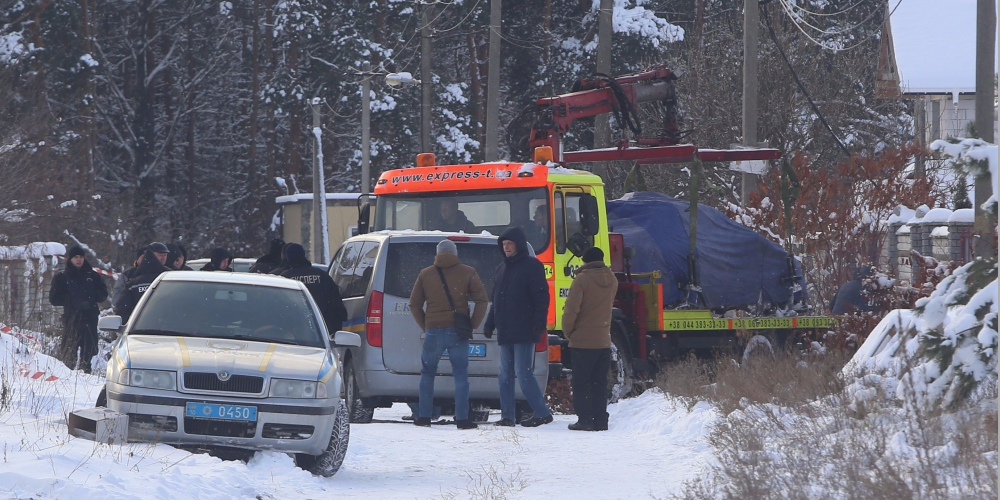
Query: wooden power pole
[751,23]
[602,126]
[986,32]
[492,152]
[426,83]
[366,120]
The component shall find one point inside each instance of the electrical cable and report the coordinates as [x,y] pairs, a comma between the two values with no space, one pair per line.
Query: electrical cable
[787,6]
[774,38]
[859,2]
[838,49]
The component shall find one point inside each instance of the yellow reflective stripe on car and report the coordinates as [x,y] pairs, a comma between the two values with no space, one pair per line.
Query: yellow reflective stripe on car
[185,356]
[267,357]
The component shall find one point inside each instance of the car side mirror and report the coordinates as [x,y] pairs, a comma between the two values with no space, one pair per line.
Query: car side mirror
[364,216]
[590,216]
[110,324]
[578,244]
[345,339]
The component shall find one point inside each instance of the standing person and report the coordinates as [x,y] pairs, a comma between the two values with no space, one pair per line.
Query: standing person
[520,309]
[79,290]
[271,260]
[219,259]
[446,288]
[119,290]
[586,324]
[321,286]
[283,263]
[177,258]
[153,264]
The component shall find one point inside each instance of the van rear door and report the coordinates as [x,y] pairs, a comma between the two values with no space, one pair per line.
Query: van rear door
[402,338]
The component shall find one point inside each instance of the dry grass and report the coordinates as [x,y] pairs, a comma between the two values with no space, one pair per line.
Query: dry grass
[791,430]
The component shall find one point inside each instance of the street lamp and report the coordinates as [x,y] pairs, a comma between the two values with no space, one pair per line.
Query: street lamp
[397,79]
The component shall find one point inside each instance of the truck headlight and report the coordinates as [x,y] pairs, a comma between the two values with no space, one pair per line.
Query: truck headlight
[153,379]
[285,388]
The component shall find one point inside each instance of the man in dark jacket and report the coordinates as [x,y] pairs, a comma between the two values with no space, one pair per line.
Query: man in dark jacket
[152,266]
[271,260]
[321,286]
[453,220]
[438,321]
[219,259]
[119,289]
[586,324]
[79,290]
[283,262]
[850,296]
[519,313]
[177,258]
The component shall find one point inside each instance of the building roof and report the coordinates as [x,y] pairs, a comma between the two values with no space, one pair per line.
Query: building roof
[935,45]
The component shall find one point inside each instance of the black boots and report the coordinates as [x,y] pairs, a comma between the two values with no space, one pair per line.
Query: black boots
[537,421]
[465,424]
[422,421]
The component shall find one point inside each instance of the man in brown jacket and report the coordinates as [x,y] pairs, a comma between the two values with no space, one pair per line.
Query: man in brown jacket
[587,325]
[439,323]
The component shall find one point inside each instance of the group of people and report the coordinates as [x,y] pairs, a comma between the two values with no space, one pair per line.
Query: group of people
[439,302]
[80,290]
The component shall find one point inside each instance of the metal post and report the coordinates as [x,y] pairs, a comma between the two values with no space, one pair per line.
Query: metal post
[602,123]
[986,32]
[751,23]
[426,52]
[318,191]
[493,84]
[920,133]
[366,120]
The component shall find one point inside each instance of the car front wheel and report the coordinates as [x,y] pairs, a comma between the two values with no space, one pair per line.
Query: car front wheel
[360,414]
[328,463]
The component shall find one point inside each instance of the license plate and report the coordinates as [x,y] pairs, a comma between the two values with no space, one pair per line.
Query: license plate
[475,351]
[221,412]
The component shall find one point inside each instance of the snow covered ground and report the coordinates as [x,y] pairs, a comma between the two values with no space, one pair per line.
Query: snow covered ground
[653,446]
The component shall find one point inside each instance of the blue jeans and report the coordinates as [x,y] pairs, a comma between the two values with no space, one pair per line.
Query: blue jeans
[436,342]
[515,360]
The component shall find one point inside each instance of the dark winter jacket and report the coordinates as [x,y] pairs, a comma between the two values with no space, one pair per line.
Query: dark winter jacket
[177,251]
[464,283]
[586,319]
[78,290]
[323,290]
[271,260]
[850,296]
[216,256]
[460,224]
[144,276]
[118,292]
[520,295]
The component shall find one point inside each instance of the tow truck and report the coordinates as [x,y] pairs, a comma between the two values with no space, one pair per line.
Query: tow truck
[570,215]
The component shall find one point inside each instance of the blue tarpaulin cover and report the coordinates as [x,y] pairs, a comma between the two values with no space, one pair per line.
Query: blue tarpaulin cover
[735,265]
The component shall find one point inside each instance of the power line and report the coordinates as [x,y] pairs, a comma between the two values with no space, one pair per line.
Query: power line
[798,81]
[803,9]
[825,45]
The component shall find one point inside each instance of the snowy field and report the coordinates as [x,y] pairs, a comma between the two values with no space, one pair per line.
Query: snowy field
[653,445]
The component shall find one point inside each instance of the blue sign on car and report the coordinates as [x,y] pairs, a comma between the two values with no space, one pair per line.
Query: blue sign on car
[221,412]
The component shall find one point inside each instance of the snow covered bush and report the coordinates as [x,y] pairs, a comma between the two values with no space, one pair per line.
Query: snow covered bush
[972,157]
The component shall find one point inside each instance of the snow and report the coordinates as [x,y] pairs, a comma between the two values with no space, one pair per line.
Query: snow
[88,60]
[937,216]
[11,48]
[935,45]
[319,186]
[654,444]
[295,198]
[630,17]
[940,231]
[962,215]
[68,203]
[32,251]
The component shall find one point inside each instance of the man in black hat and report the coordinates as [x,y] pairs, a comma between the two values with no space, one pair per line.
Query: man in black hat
[321,286]
[152,265]
[79,290]
[219,260]
[177,259]
[271,260]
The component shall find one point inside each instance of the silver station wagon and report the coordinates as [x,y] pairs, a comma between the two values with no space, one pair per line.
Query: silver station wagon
[225,361]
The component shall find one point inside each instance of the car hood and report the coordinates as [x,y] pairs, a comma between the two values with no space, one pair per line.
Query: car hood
[156,352]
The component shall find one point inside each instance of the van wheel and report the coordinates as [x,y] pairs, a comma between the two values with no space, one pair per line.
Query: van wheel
[355,407]
[328,463]
[758,348]
[102,398]
[620,370]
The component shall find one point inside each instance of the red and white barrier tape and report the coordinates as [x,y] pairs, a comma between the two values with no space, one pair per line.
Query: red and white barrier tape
[36,375]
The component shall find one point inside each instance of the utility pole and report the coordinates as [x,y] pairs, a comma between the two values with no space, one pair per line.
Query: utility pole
[602,124]
[493,84]
[320,244]
[986,32]
[426,85]
[366,120]
[751,24]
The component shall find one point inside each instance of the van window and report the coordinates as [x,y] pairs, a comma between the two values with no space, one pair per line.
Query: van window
[342,270]
[405,260]
[361,276]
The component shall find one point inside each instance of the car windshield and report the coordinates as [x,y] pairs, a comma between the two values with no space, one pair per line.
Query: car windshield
[229,311]
[491,210]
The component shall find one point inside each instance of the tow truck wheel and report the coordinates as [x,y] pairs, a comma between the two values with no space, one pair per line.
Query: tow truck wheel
[620,371]
[355,407]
